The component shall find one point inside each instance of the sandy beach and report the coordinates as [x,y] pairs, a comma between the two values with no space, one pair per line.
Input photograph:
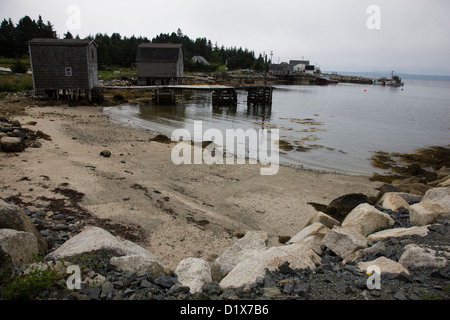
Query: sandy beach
[175,211]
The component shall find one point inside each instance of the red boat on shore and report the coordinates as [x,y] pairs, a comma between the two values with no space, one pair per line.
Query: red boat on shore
[325,80]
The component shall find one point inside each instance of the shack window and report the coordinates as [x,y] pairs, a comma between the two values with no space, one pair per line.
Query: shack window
[68,71]
[92,54]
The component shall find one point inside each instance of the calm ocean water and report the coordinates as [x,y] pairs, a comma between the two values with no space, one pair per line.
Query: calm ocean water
[332,128]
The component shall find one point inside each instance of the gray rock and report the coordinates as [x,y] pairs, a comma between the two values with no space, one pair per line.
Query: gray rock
[13,217]
[139,263]
[344,241]
[165,281]
[105,153]
[12,144]
[418,257]
[253,243]
[21,246]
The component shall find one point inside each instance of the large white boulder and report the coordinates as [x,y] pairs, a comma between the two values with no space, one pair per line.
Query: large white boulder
[398,233]
[298,255]
[253,243]
[344,241]
[312,235]
[366,219]
[193,273]
[98,242]
[393,201]
[385,265]
[146,262]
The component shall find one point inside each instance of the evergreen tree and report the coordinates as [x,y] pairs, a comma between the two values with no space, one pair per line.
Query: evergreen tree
[68,35]
[7,39]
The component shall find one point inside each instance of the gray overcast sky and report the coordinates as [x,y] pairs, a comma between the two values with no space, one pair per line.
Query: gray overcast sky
[413,36]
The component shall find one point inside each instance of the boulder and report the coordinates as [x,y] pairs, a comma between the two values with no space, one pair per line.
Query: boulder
[12,144]
[434,204]
[398,233]
[311,235]
[366,219]
[409,197]
[443,172]
[424,213]
[147,263]
[393,201]
[445,182]
[13,217]
[344,241]
[98,242]
[247,272]
[324,219]
[193,273]
[340,207]
[253,243]
[415,188]
[161,138]
[438,195]
[20,246]
[385,265]
[418,257]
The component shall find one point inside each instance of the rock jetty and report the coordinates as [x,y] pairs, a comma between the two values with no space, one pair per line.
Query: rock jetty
[403,235]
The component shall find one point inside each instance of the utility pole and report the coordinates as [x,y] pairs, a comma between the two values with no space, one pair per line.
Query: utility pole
[265,70]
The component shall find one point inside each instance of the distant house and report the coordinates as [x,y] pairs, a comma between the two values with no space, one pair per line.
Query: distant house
[297,62]
[200,59]
[282,69]
[299,68]
[160,63]
[64,66]
[310,69]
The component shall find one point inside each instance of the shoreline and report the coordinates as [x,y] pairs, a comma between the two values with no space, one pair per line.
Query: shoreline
[174,211]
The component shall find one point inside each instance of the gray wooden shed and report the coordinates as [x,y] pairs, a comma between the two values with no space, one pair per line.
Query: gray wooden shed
[65,67]
[160,63]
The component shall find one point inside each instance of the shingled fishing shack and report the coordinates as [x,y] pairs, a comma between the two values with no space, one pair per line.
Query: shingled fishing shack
[160,64]
[64,68]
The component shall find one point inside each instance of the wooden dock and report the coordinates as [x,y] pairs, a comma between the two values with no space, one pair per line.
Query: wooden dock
[220,94]
[260,95]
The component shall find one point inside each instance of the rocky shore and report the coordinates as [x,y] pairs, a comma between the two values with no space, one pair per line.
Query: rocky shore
[324,261]
[403,230]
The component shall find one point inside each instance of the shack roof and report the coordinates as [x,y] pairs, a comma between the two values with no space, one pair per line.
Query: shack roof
[158,52]
[64,42]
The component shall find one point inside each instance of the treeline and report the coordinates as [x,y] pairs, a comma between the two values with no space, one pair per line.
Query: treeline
[117,51]
[120,51]
[13,38]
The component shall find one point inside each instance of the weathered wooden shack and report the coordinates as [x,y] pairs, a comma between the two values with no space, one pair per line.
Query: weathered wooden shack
[160,64]
[64,67]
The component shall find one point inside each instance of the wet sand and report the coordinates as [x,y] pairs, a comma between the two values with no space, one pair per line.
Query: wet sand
[180,210]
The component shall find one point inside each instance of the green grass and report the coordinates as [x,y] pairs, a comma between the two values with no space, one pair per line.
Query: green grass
[16,83]
[8,62]
[108,74]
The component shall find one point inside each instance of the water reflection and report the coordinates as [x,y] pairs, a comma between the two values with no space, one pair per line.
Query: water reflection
[338,125]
